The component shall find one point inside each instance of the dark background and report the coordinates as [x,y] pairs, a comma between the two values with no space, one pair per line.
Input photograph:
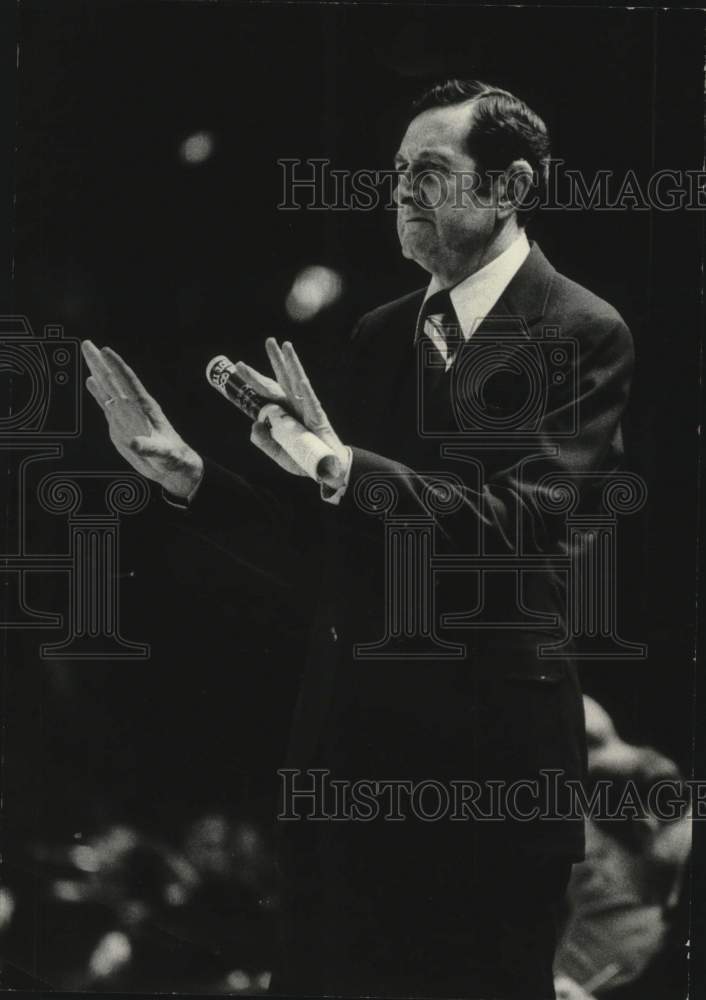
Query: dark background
[120,241]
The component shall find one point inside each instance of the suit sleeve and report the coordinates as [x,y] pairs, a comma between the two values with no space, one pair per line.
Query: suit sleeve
[236,528]
[508,503]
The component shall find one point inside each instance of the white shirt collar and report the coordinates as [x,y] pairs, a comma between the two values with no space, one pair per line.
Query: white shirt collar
[475,296]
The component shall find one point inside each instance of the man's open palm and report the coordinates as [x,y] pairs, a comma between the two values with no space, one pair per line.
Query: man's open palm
[137,426]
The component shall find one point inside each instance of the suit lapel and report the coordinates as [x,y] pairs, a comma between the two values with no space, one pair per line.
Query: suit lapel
[521,305]
[515,318]
[386,383]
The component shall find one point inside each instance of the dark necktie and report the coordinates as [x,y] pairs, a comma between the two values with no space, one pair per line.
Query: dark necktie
[438,316]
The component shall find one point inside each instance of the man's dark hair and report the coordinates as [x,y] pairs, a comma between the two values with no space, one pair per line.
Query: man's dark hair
[502,129]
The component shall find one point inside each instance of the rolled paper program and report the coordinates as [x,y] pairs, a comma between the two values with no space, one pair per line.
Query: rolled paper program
[311,454]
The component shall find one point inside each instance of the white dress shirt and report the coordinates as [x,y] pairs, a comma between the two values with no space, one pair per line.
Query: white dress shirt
[472,299]
[475,296]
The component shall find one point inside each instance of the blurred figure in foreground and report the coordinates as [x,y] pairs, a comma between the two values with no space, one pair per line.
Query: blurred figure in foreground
[125,912]
[622,899]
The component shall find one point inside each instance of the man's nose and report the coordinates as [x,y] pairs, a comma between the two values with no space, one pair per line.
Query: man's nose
[403,189]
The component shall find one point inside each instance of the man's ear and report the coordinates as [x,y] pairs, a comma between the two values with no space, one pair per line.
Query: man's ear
[513,187]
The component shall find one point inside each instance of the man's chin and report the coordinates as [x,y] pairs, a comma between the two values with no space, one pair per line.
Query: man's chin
[412,252]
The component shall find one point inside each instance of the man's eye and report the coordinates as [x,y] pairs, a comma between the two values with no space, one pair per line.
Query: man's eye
[421,172]
[434,169]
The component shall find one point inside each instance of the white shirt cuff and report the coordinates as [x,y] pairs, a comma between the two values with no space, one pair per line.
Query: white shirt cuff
[181,503]
[328,494]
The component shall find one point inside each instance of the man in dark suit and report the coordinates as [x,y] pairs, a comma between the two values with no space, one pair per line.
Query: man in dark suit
[472,407]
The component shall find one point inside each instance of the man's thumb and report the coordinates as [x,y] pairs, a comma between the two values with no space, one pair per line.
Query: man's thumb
[147,447]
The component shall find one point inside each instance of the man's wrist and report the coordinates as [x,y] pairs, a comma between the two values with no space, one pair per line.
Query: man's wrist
[182,497]
[334,494]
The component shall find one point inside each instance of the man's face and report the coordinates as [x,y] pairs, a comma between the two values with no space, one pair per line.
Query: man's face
[443,222]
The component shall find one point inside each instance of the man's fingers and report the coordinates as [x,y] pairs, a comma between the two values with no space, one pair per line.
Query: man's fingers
[92,387]
[100,370]
[261,383]
[314,413]
[115,380]
[123,372]
[296,371]
[291,375]
[279,367]
[150,447]
[133,387]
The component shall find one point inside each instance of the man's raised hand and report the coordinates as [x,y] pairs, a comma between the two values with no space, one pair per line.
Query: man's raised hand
[137,426]
[293,389]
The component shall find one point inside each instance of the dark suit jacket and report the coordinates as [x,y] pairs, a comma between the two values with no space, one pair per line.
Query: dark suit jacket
[500,711]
